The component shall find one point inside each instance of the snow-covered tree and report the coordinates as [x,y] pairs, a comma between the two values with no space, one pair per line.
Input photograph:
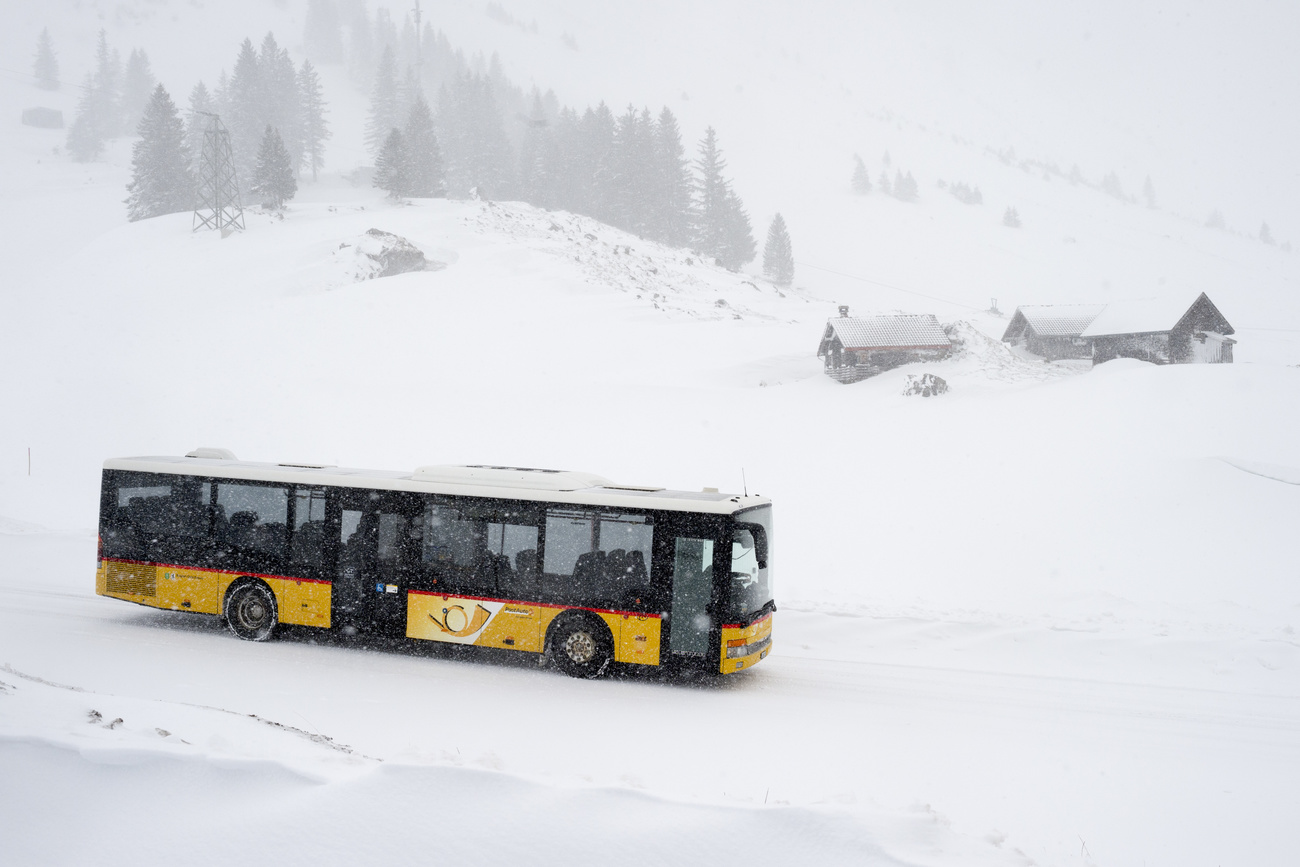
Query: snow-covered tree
[281,99]
[107,88]
[739,247]
[1149,192]
[538,161]
[391,165]
[778,254]
[244,113]
[671,219]
[138,86]
[384,115]
[631,171]
[1111,186]
[710,225]
[905,188]
[425,176]
[1216,220]
[1011,218]
[1266,234]
[86,134]
[472,133]
[45,67]
[883,183]
[315,129]
[161,180]
[274,178]
[861,183]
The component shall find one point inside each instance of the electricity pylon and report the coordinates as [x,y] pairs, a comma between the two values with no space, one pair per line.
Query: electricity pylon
[219,206]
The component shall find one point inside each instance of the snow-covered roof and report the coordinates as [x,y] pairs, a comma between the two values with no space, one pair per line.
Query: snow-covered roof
[1141,316]
[1060,320]
[550,486]
[899,331]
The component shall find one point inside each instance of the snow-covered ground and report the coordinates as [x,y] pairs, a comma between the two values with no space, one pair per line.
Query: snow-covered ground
[1047,618]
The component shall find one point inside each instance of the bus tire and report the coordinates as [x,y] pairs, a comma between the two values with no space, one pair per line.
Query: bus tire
[580,645]
[250,611]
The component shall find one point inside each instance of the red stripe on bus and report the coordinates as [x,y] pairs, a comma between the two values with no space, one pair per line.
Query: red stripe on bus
[755,623]
[533,604]
[219,571]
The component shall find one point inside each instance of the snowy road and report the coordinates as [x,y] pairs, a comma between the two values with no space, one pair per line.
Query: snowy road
[971,743]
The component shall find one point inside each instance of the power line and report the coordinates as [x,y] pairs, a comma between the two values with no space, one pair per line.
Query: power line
[31,77]
[888,286]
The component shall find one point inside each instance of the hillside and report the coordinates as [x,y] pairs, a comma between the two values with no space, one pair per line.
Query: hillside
[1047,618]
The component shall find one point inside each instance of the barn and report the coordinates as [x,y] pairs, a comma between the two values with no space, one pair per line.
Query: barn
[856,347]
[1162,332]
[1054,331]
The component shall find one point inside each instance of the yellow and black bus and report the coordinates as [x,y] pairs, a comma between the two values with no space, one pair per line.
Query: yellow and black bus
[569,565]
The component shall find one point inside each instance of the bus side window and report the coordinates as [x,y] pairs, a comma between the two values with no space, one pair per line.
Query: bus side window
[159,522]
[255,524]
[308,541]
[455,554]
[594,558]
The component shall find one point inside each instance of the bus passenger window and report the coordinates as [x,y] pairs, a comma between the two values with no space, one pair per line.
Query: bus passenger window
[252,520]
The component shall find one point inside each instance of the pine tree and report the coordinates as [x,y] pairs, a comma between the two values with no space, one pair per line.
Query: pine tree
[1011,218]
[46,66]
[709,235]
[281,101]
[883,183]
[1111,186]
[274,178]
[593,162]
[861,184]
[1149,192]
[738,235]
[473,138]
[86,135]
[138,84]
[425,176]
[672,215]
[1216,220]
[391,165]
[631,165]
[107,88]
[383,117]
[537,157]
[778,255]
[161,180]
[244,113]
[315,129]
[1266,234]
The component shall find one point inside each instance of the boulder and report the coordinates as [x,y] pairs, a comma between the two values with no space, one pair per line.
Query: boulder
[926,385]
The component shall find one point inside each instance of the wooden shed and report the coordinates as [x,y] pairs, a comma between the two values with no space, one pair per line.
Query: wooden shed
[856,347]
[1053,331]
[1162,332]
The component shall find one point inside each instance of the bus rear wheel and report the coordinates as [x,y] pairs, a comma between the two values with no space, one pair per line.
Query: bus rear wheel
[251,612]
[581,646]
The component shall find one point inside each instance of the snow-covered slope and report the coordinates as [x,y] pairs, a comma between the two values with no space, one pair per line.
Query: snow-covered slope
[1049,617]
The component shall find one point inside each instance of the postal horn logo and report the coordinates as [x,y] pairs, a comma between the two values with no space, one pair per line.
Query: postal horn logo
[455,622]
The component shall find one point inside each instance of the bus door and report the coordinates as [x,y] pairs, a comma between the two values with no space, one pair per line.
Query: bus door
[691,622]
[379,547]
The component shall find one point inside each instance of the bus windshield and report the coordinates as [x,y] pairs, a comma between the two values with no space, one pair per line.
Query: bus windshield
[751,581]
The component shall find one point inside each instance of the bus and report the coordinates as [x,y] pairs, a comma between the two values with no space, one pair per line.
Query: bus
[585,573]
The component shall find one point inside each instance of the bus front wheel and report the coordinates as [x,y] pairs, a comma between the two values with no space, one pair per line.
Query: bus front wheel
[581,646]
[251,611]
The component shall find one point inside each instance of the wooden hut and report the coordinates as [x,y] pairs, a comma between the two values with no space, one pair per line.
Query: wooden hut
[856,347]
[1162,332]
[1053,331]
